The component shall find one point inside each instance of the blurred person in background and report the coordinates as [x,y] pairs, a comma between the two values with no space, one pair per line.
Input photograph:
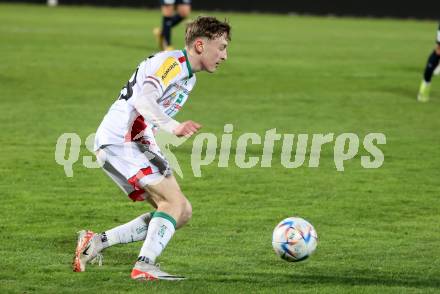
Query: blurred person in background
[431,65]
[173,12]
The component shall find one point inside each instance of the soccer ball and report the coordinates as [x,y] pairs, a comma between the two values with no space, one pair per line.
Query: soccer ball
[294,239]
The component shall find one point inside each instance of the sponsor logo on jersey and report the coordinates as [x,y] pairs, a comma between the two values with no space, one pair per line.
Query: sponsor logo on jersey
[168,70]
[167,103]
[180,99]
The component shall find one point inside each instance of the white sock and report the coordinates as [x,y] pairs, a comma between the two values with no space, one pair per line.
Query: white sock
[135,230]
[160,230]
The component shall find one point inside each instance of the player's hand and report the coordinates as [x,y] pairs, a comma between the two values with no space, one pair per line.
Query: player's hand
[186,129]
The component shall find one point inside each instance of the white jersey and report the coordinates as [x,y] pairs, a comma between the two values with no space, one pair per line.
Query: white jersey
[170,72]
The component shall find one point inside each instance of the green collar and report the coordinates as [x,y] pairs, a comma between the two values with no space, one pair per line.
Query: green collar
[188,65]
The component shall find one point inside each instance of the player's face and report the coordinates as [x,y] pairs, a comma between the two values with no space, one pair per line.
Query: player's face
[214,53]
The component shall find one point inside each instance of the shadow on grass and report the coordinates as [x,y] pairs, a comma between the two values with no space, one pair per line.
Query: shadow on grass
[276,279]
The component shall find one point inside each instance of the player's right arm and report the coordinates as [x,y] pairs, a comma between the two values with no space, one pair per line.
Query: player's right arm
[156,74]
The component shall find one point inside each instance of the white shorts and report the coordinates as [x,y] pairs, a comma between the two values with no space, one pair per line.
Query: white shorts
[133,165]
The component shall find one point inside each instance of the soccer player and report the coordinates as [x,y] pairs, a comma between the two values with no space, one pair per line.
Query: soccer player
[433,62]
[126,146]
[173,12]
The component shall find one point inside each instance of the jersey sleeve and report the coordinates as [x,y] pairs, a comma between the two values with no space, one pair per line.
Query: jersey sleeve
[163,70]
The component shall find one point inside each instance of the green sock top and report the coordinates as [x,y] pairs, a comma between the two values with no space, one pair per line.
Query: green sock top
[165,216]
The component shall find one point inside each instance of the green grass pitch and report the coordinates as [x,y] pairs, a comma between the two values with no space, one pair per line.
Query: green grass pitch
[61,69]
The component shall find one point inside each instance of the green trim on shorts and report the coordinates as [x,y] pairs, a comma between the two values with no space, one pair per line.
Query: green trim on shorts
[165,216]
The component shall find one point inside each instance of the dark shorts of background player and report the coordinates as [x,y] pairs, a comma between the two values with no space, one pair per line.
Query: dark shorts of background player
[174,2]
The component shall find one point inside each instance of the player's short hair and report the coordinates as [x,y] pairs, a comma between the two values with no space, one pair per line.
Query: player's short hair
[208,27]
